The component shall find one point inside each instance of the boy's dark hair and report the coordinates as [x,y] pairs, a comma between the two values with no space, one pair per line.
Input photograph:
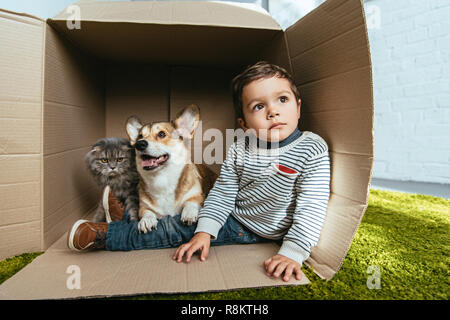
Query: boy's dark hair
[259,70]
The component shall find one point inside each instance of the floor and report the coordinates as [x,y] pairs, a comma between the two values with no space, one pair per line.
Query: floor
[433,189]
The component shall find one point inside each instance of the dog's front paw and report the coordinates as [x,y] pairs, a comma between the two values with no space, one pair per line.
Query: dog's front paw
[147,222]
[189,215]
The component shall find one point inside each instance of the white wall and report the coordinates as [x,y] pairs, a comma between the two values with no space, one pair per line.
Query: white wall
[41,8]
[287,12]
[411,73]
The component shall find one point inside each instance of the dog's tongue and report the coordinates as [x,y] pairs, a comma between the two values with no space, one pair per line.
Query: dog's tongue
[152,162]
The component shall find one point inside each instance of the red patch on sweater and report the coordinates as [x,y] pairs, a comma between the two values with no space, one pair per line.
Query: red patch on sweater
[286,169]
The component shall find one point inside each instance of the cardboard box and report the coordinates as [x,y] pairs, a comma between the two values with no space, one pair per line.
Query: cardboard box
[62,88]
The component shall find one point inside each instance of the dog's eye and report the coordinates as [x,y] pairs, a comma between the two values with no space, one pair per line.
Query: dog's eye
[104,160]
[161,134]
[139,136]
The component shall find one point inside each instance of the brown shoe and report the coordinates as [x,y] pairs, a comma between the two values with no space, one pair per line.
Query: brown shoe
[114,209]
[86,235]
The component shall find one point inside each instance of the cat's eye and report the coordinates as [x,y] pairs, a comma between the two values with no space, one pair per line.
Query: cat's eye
[104,160]
[119,159]
[161,134]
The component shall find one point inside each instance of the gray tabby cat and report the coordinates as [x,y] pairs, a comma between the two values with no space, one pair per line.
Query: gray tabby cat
[112,162]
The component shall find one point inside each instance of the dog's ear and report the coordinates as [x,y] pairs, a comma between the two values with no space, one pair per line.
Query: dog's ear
[187,120]
[133,126]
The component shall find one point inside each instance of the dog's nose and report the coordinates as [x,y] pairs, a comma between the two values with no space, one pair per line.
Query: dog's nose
[141,145]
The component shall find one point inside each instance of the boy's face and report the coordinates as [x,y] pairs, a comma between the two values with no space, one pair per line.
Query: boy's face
[267,102]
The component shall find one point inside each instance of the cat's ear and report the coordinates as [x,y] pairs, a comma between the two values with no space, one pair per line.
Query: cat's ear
[133,126]
[91,153]
[187,120]
[97,146]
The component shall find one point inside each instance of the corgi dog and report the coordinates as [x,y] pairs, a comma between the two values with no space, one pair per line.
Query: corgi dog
[169,183]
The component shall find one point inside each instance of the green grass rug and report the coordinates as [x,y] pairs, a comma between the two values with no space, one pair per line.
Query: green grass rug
[404,236]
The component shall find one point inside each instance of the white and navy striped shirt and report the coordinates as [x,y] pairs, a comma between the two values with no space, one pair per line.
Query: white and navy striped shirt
[277,193]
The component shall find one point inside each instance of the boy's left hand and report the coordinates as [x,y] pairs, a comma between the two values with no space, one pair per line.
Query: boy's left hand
[278,264]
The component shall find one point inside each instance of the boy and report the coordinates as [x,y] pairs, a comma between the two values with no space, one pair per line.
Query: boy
[274,189]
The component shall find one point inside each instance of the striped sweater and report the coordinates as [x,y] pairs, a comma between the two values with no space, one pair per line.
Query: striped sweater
[277,193]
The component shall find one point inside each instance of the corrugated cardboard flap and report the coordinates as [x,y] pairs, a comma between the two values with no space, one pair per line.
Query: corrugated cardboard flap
[330,59]
[21,70]
[106,274]
[15,16]
[174,12]
[180,33]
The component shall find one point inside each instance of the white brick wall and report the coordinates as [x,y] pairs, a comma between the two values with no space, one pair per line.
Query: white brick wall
[411,73]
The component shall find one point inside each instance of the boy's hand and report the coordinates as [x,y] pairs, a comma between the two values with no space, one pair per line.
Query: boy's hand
[278,264]
[201,241]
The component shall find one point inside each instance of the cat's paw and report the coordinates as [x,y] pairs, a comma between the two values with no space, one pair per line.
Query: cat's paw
[147,222]
[133,214]
[189,215]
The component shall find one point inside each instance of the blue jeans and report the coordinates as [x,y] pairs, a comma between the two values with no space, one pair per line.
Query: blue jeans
[171,232]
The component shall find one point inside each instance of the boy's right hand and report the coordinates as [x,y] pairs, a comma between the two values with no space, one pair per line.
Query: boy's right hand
[200,241]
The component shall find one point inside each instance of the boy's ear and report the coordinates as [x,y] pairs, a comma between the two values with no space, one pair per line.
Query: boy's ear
[242,123]
[299,108]
[187,120]
[133,126]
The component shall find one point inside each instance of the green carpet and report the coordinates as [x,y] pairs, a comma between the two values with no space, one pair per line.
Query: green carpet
[405,236]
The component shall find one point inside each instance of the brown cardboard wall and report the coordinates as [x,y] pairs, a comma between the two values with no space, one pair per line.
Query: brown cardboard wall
[208,88]
[20,133]
[135,89]
[172,33]
[74,117]
[156,93]
[167,44]
[277,52]
[331,65]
